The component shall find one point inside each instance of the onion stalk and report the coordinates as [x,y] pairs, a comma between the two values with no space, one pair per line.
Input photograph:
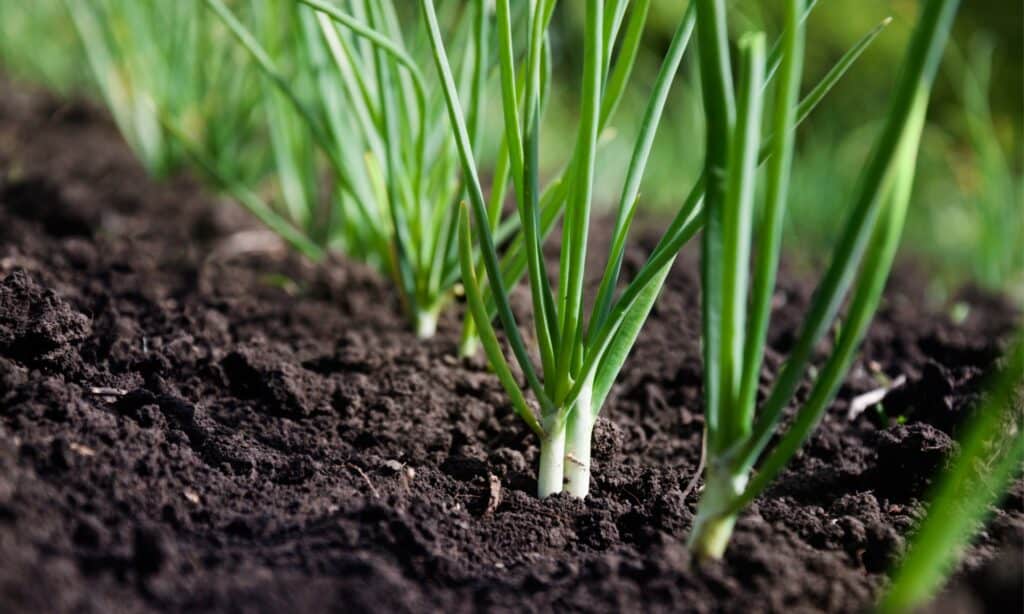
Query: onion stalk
[734,322]
[567,385]
[580,354]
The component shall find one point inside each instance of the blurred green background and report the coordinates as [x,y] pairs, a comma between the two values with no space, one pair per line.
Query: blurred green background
[967,217]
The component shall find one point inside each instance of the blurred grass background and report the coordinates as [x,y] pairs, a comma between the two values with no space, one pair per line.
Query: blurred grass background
[967,219]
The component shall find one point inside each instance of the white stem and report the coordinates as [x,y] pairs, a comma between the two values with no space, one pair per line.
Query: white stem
[711,529]
[468,346]
[580,429]
[552,456]
[426,323]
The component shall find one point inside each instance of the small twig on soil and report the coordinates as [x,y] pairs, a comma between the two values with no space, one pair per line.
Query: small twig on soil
[873,397]
[81,450]
[700,466]
[248,242]
[366,478]
[106,391]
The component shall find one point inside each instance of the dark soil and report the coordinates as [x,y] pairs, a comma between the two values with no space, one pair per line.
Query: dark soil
[191,419]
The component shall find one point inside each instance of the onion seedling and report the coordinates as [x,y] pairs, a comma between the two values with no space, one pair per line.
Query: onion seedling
[22,26]
[347,98]
[992,445]
[156,61]
[735,322]
[570,354]
[579,359]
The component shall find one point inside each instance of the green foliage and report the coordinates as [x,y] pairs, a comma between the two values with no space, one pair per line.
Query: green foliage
[580,355]
[38,43]
[962,185]
[156,62]
[967,216]
[737,436]
[346,99]
[992,205]
[571,351]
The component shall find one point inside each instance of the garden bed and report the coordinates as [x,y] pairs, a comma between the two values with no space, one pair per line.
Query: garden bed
[191,418]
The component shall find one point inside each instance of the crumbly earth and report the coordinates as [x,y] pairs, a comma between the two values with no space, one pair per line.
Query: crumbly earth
[192,419]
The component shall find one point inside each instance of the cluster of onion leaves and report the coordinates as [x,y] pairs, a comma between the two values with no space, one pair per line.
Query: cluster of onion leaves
[22,26]
[360,140]
[735,308]
[580,356]
[991,452]
[154,61]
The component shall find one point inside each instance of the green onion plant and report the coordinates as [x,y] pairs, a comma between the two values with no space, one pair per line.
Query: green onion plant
[736,302]
[360,136]
[991,452]
[23,26]
[156,62]
[555,194]
[571,353]
[580,353]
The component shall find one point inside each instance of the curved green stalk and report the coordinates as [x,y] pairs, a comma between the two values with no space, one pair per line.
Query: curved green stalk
[576,229]
[637,165]
[737,216]
[487,336]
[526,196]
[725,316]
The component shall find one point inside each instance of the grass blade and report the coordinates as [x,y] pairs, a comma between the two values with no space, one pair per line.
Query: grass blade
[624,63]
[625,337]
[720,113]
[524,183]
[637,165]
[577,225]
[686,224]
[864,302]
